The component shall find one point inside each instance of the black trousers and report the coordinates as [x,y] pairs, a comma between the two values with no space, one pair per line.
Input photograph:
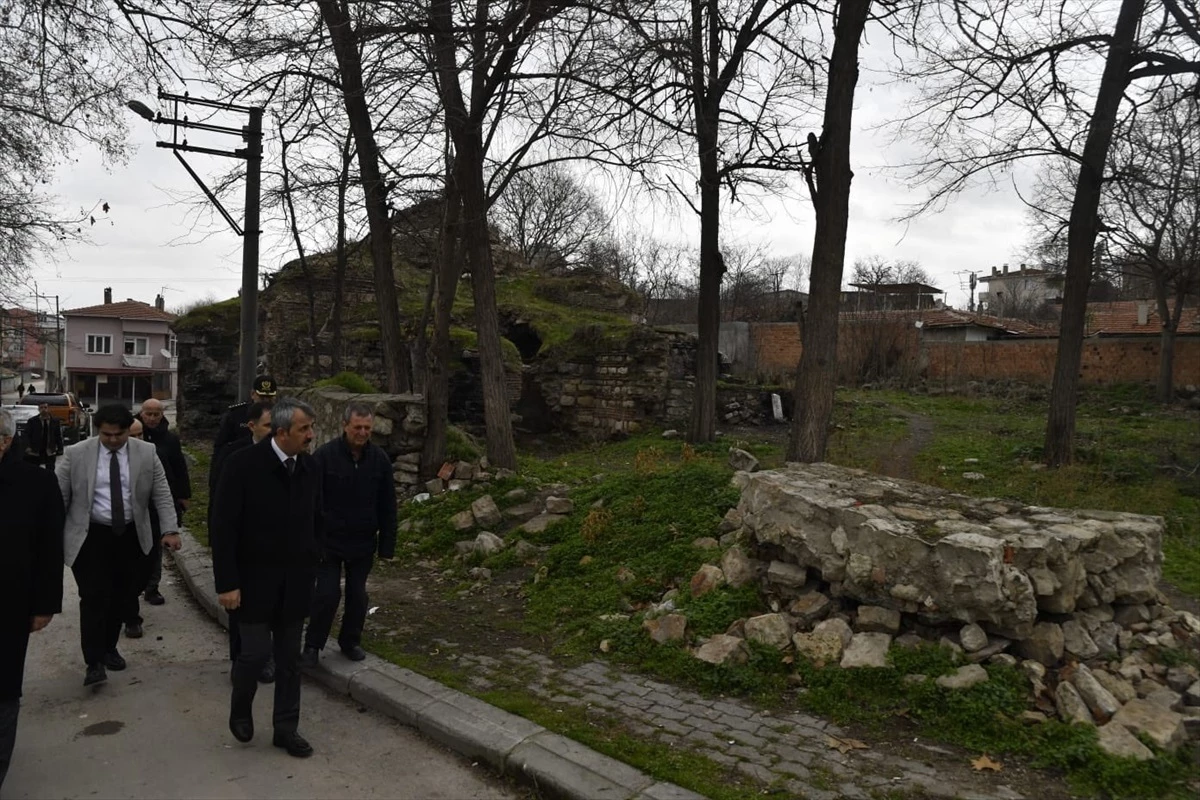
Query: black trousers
[110,571]
[46,461]
[258,641]
[8,733]
[329,593]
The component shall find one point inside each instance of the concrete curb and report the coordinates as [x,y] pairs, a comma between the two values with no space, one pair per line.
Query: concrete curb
[554,765]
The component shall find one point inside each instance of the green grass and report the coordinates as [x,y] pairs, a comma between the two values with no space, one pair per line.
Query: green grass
[350,381]
[196,516]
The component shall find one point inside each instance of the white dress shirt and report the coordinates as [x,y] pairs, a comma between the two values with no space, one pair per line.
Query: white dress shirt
[102,499]
[283,457]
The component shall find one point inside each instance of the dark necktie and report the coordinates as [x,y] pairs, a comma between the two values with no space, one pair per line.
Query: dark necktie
[291,466]
[115,491]
[45,436]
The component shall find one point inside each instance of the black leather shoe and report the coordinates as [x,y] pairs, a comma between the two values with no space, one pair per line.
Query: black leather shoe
[133,630]
[154,597]
[267,675]
[113,661]
[294,743]
[354,653]
[310,657]
[95,674]
[242,728]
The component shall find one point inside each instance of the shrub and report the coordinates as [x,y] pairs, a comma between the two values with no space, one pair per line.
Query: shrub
[350,381]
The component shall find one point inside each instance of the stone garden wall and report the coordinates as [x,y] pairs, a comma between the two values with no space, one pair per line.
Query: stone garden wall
[399,427]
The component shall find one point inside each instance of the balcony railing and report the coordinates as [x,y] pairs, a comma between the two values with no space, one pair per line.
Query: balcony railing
[138,362]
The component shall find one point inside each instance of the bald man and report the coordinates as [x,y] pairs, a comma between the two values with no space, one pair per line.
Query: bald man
[157,431]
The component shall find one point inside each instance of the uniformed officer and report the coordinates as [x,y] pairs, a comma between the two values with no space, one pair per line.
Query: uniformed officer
[233,423]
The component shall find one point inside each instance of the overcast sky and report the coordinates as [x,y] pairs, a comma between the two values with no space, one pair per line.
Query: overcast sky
[152,240]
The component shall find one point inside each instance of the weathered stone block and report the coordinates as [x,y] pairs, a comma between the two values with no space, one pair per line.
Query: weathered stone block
[772,630]
[912,547]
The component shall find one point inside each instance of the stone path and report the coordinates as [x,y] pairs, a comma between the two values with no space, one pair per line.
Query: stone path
[789,751]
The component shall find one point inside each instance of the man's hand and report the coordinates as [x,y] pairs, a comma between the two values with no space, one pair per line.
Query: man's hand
[230,601]
[171,541]
[39,622]
[185,503]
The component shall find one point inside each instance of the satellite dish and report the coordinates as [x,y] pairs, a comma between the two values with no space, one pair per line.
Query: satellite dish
[166,353]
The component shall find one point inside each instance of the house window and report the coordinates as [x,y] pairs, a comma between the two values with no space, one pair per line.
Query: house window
[173,345]
[98,345]
[136,345]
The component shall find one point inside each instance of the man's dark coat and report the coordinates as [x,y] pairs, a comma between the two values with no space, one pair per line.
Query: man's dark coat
[170,453]
[33,437]
[31,560]
[359,500]
[266,533]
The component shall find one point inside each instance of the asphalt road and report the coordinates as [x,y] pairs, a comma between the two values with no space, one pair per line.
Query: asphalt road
[160,728]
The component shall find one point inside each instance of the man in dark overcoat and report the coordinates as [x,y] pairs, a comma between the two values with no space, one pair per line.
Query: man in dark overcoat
[233,421]
[43,438]
[266,539]
[31,571]
[157,431]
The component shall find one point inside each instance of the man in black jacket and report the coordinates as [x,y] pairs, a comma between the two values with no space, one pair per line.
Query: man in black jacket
[233,422]
[157,431]
[259,424]
[359,504]
[43,438]
[266,539]
[31,572]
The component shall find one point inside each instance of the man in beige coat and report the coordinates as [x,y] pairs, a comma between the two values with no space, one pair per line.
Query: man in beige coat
[109,484]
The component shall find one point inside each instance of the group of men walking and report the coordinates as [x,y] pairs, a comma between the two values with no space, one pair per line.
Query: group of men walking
[284,525]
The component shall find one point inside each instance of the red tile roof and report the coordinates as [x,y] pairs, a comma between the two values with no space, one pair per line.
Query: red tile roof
[128,309]
[1121,319]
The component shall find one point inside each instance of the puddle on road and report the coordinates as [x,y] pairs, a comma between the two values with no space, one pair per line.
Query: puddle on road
[106,728]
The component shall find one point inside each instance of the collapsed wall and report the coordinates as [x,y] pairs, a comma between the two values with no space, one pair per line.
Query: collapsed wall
[941,556]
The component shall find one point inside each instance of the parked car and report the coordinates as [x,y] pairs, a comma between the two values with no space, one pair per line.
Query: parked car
[75,417]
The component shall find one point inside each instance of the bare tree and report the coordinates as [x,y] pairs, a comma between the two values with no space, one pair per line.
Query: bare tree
[828,176]
[1010,79]
[550,215]
[730,79]
[1152,215]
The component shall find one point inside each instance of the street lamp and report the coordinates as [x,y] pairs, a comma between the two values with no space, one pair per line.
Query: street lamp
[251,133]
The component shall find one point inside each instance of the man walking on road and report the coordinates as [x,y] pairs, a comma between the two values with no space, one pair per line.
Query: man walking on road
[108,484]
[358,498]
[259,423]
[266,538]
[157,431]
[43,438]
[31,572]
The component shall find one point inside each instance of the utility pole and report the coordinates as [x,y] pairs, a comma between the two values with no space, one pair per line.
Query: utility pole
[62,380]
[251,133]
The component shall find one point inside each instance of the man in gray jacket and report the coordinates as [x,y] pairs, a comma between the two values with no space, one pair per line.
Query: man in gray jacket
[108,484]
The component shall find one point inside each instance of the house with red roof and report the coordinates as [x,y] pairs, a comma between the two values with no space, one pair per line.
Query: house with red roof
[120,352]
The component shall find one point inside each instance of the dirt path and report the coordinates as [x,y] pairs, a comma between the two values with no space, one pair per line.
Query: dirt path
[899,460]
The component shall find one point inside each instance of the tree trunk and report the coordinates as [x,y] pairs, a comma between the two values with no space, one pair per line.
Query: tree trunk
[437,365]
[712,270]
[1081,236]
[310,291]
[816,375]
[395,356]
[1166,356]
[339,274]
[477,244]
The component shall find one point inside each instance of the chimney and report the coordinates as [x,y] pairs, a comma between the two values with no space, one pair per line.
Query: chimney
[160,303]
[1143,313]
[995,271]
[108,296]
[1006,269]
[1022,269]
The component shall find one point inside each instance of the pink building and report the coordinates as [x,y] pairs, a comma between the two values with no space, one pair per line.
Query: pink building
[120,352]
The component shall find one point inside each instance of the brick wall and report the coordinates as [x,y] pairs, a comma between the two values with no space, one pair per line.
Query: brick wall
[1104,361]
[776,351]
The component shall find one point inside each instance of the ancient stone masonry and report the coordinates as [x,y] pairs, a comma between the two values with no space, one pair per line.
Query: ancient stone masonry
[852,565]
[947,557]
[399,428]
[621,385]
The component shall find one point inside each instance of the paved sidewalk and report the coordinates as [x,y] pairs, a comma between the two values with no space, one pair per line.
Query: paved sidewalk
[555,765]
[790,751]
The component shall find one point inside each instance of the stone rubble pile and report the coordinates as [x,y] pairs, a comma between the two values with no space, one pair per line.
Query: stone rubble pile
[852,564]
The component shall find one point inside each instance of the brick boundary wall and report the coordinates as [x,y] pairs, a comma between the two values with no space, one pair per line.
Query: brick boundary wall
[776,350]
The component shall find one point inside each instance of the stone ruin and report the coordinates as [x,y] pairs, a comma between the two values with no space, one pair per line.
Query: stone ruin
[851,563]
